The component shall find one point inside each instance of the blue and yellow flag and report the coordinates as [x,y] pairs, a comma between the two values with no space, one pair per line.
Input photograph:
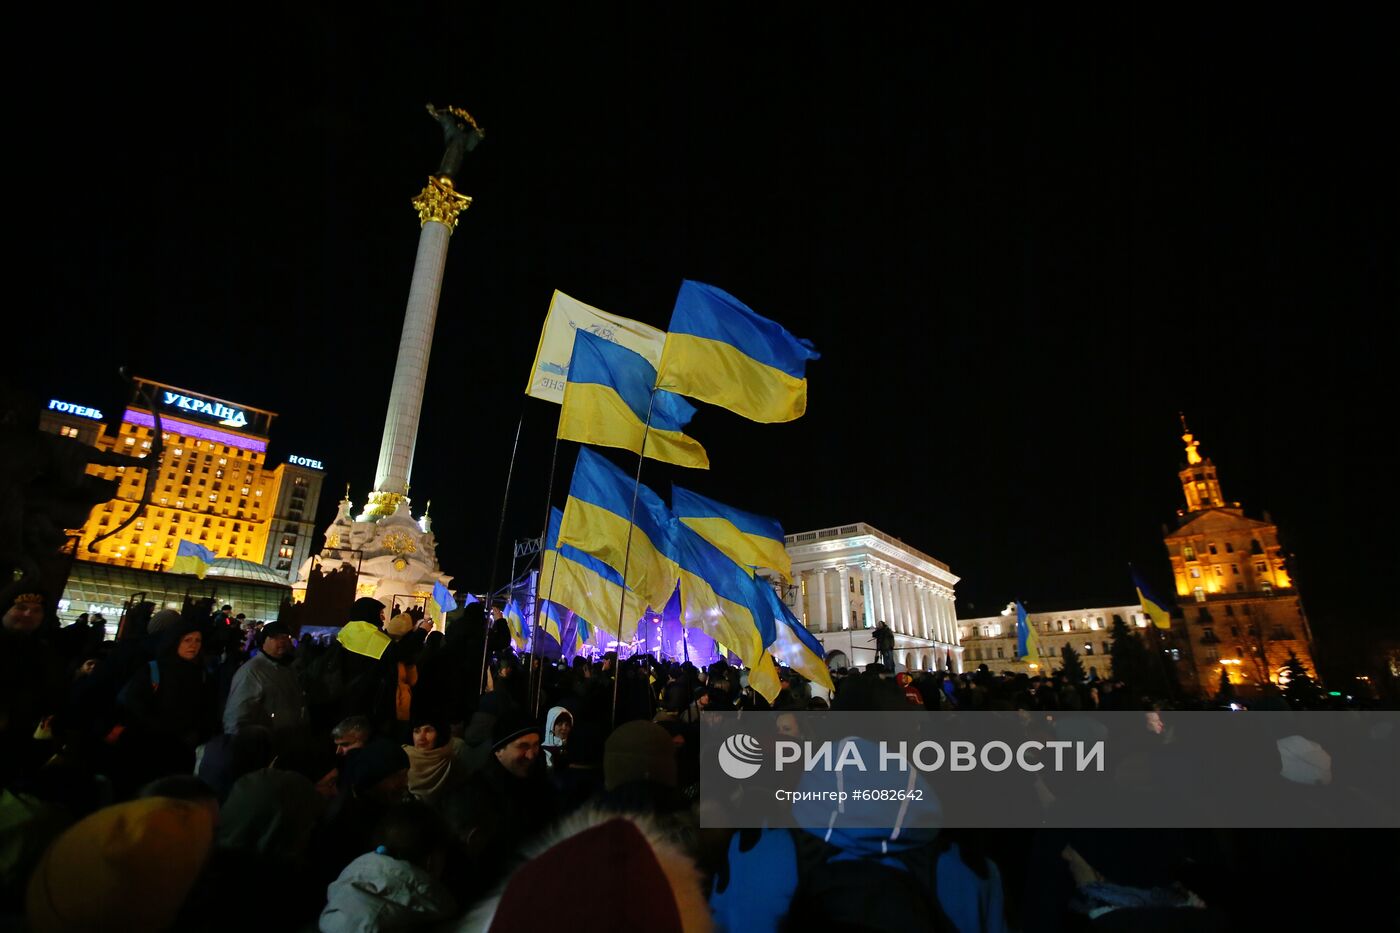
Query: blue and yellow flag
[1027,639]
[720,598]
[596,522]
[609,398]
[519,628]
[719,351]
[1155,608]
[192,558]
[795,646]
[750,540]
[441,604]
[585,585]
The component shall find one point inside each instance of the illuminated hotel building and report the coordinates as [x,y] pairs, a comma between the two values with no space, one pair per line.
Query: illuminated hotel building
[1243,614]
[213,485]
[848,578]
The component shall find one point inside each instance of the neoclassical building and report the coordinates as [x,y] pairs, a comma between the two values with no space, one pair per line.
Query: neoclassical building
[992,640]
[848,578]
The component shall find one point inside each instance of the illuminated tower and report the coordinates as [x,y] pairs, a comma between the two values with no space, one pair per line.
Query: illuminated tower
[395,554]
[1243,614]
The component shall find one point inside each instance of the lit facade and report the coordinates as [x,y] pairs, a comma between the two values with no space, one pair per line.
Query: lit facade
[848,578]
[213,487]
[992,640]
[1243,615]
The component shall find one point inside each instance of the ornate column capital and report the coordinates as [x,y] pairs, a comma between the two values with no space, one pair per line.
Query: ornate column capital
[440,202]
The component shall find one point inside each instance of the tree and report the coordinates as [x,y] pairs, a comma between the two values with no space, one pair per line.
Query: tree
[1130,658]
[1227,689]
[1071,666]
[1301,690]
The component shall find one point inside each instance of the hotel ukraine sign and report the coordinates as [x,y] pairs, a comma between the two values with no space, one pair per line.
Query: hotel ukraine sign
[226,415]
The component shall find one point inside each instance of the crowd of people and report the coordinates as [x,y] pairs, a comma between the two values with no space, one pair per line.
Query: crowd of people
[204,773]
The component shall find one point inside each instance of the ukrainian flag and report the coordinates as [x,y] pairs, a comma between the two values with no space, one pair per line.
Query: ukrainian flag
[795,646]
[719,351]
[1027,639]
[1156,610]
[519,629]
[441,604]
[192,558]
[722,600]
[585,585]
[596,522]
[750,540]
[610,399]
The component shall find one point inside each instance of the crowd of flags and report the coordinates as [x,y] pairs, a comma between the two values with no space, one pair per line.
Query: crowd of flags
[617,549]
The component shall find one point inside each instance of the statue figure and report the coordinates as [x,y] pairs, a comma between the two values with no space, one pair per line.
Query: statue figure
[460,134]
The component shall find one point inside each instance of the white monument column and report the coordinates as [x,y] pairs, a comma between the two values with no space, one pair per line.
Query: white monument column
[824,622]
[438,206]
[893,616]
[912,607]
[926,607]
[882,606]
[902,591]
[844,573]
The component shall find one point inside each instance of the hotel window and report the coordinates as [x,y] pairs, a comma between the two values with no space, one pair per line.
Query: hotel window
[1212,550]
[180,504]
[131,442]
[1234,568]
[287,552]
[164,501]
[1200,593]
[1195,573]
[244,492]
[1188,552]
[146,445]
[1088,645]
[223,461]
[1220,570]
[1259,566]
[1229,548]
[66,431]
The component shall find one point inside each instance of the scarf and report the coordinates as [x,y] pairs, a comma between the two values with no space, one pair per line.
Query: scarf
[428,770]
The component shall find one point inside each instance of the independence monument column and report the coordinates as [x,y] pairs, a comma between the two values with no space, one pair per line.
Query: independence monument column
[438,205]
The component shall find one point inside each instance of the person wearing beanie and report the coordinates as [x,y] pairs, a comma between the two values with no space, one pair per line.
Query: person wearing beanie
[510,798]
[265,691]
[400,625]
[125,867]
[664,890]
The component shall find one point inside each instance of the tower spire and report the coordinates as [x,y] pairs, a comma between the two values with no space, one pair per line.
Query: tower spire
[1198,479]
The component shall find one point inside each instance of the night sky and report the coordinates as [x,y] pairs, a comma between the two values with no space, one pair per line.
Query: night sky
[1022,244]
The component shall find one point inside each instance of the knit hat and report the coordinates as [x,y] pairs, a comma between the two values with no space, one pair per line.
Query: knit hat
[639,751]
[510,727]
[125,867]
[272,630]
[663,889]
[1304,761]
[400,625]
[161,620]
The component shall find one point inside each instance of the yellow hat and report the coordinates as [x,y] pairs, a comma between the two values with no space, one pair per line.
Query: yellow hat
[400,625]
[125,867]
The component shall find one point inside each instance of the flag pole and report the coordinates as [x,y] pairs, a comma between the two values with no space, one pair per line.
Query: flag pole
[544,532]
[627,553]
[496,553]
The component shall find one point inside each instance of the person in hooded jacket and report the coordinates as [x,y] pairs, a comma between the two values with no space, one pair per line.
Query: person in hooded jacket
[174,695]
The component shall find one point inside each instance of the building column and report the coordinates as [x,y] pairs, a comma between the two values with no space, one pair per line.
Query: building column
[823,621]
[801,609]
[911,616]
[867,584]
[887,595]
[949,624]
[930,621]
[876,584]
[843,573]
